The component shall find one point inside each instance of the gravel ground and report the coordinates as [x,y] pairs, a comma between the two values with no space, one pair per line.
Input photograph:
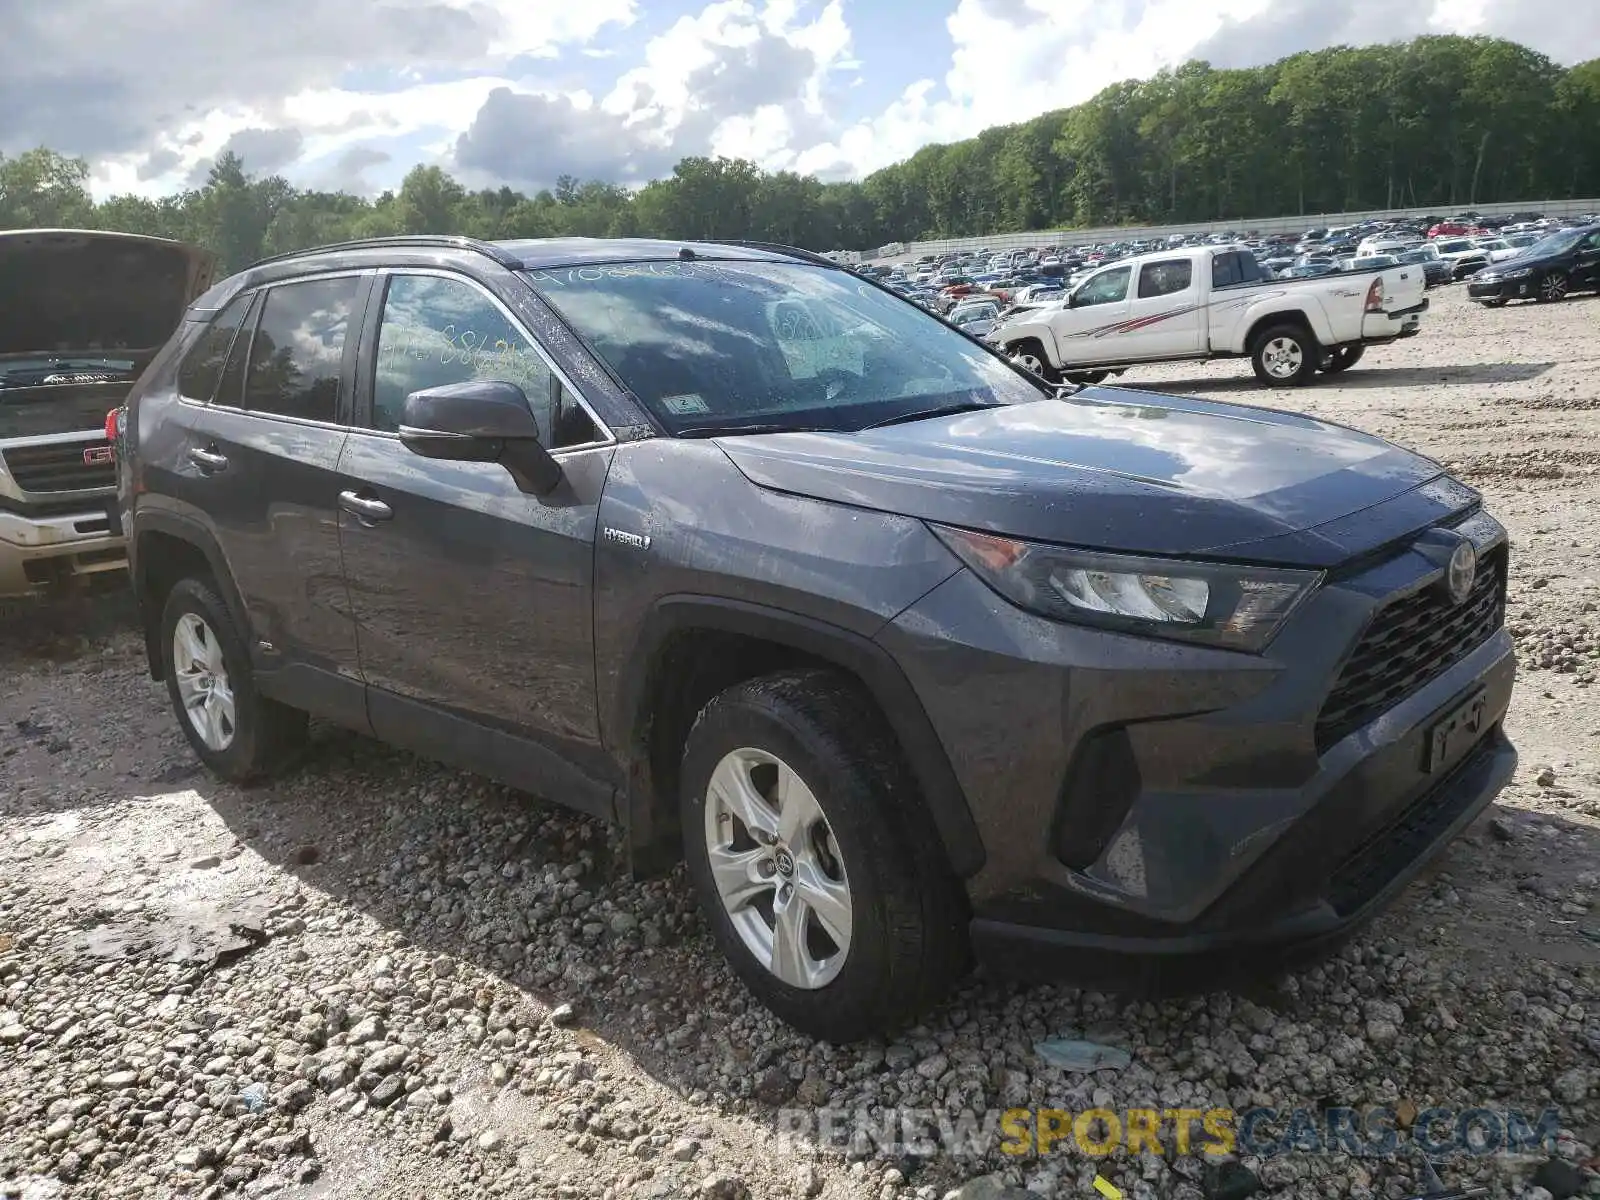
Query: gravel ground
[380,978]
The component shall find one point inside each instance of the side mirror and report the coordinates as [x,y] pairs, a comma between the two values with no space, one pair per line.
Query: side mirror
[480,421]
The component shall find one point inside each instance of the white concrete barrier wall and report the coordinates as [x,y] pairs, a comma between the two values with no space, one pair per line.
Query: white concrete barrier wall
[1124,233]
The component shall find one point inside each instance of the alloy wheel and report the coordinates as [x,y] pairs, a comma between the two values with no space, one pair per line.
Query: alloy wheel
[777,868]
[202,679]
[1553,287]
[1283,358]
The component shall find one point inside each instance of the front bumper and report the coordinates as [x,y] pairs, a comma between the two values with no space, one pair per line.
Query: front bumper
[1502,289]
[1144,803]
[38,552]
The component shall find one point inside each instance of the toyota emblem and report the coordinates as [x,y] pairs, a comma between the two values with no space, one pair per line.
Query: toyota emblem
[1462,571]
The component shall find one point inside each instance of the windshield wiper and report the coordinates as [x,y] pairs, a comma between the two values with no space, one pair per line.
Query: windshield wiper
[927,414]
[711,431]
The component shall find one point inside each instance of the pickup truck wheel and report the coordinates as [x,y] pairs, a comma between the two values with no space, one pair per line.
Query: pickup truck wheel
[1341,358]
[817,871]
[1285,356]
[1553,287]
[237,732]
[1031,360]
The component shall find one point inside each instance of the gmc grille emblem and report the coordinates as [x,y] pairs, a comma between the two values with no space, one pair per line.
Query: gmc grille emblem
[96,456]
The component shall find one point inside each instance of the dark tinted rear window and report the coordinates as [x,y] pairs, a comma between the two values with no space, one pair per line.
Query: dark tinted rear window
[202,366]
[298,351]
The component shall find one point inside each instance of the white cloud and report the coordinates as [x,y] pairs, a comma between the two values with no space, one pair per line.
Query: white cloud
[501,94]
[1012,60]
[738,78]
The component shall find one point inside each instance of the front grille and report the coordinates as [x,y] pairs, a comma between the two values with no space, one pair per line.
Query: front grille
[1409,643]
[1391,848]
[59,467]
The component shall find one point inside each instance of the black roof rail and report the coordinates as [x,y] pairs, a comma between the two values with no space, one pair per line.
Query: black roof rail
[442,241]
[775,248]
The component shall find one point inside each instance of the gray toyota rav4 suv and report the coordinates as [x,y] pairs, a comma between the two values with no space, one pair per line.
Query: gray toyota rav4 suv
[909,655]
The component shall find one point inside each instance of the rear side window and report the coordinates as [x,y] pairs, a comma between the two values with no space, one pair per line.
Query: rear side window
[202,366]
[1165,278]
[1230,269]
[297,354]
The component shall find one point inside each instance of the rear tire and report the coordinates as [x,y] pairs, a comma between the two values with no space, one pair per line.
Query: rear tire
[1342,358]
[1285,356]
[237,732]
[872,929]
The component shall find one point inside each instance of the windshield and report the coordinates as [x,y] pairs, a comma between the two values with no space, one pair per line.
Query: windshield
[1454,247]
[1556,243]
[724,344]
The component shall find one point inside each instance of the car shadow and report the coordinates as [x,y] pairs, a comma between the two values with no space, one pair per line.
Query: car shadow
[1364,377]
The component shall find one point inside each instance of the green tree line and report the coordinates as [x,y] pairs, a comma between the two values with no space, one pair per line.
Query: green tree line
[1439,122]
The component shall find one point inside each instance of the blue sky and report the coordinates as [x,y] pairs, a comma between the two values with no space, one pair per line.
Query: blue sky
[353,93]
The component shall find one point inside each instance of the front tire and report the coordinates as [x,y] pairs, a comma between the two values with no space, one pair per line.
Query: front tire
[237,732]
[1553,288]
[1285,356]
[1031,358]
[817,870]
[1342,358]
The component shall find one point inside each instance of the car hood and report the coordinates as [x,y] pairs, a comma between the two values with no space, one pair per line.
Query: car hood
[1123,470]
[68,291]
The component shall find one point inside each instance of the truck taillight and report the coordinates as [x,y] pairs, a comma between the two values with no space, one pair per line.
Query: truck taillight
[1375,296]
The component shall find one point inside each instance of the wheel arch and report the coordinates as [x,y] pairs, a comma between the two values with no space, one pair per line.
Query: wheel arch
[690,648]
[1036,332]
[1284,316]
[164,549]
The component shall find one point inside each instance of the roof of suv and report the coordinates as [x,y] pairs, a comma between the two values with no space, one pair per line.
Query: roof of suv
[530,254]
[541,253]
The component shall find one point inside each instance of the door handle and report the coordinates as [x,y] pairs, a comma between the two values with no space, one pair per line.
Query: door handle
[209,461]
[366,508]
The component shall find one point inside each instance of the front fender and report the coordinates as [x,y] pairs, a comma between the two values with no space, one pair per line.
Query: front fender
[1012,335]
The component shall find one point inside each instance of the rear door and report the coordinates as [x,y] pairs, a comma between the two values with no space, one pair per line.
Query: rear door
[474,600]
[1165,319]
[262,463]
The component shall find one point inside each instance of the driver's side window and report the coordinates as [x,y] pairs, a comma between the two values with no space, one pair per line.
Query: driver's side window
[437,331]
[1108,287]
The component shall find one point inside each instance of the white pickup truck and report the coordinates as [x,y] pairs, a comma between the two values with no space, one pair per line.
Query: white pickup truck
[1214,302]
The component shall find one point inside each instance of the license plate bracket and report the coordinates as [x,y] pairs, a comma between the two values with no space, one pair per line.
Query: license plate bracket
[1448,737]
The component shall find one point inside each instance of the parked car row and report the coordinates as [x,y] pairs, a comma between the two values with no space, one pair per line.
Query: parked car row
[618,562]
[1447,249]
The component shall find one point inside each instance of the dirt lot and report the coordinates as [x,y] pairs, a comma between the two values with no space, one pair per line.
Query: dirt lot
[349,983]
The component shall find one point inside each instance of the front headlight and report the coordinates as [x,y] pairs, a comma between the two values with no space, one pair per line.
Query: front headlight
[1238,607]
[1523,273]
